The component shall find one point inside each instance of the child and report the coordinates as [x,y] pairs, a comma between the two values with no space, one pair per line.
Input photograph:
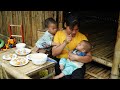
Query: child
[68,66]
[45,42]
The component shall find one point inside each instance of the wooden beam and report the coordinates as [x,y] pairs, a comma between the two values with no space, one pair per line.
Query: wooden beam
[116,60]
[94,75]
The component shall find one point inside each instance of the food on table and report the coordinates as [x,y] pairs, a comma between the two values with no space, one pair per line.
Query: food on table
[19,61]
[9,56]
[23,51]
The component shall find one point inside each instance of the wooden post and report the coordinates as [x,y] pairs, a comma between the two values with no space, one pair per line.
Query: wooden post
[116,59]
[60,19]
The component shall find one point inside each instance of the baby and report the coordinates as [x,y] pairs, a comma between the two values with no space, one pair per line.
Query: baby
[68,66]
[45,43]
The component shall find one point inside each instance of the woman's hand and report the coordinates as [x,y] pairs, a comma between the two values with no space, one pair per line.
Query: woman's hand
[72,56]
[68,39]
[82,59]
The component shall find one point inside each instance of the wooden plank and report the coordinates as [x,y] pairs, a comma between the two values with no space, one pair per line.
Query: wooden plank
[92,68]
[94,75]
[98,70]
[15,25]
[101,61]
[40,22]
[28,30]
[107,74]
[16,35]
[55,15]
[108,54]
[104,50]
[104,73]
[88,76]
[98,74]
[88,66]
[95,69]
[23,22]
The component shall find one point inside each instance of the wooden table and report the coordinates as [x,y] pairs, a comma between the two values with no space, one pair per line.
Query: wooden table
[24,72]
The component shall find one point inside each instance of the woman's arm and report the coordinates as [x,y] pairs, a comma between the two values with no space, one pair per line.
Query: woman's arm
[56,50]
[55,44]
[83,59]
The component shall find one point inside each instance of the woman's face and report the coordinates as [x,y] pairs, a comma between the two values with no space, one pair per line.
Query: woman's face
[72,32]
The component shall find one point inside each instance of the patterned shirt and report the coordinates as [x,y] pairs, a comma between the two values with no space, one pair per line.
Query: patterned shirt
[75,51]
[45,41]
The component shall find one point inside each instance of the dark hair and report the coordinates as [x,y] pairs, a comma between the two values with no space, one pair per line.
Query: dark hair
[49,21]
[88,46]
[72,21]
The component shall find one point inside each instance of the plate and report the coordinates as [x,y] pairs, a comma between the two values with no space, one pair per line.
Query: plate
[28,57]
[23,51]
[20,61]
[9,56]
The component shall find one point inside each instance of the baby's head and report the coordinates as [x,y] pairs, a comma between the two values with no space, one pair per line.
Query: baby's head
[84,46]
[51,24]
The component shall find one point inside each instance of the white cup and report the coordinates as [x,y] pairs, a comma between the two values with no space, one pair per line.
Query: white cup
[20,45]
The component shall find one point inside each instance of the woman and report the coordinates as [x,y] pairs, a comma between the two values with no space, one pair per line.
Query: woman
[68,40]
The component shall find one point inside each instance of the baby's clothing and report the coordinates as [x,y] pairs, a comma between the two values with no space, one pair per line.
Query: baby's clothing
[70,66]
[78,64]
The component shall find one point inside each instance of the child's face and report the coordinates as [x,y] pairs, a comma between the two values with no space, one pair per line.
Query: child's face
[81,47]
[52,28]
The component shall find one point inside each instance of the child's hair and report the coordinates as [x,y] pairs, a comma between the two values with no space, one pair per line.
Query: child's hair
[88,45]
[49,21]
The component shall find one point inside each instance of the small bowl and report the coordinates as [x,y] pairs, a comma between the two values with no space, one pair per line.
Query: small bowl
[38,58]
[20,45]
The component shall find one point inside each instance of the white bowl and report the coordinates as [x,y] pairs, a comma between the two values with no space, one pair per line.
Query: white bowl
[20,45]
[38,58]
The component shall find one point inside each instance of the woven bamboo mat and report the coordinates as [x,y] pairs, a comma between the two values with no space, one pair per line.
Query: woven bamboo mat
[97,71]
[103,47]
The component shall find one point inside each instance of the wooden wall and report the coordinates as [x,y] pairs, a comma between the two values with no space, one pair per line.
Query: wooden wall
[31,20]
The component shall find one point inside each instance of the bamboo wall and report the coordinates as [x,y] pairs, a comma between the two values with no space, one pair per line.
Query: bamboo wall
[31,20]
